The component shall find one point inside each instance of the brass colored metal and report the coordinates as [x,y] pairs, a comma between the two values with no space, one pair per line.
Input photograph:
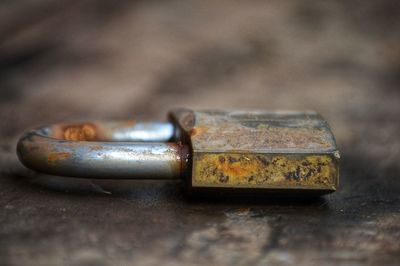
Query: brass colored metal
[259,150]
[264,171]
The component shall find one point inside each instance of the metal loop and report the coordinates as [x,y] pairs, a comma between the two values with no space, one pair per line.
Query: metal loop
[104,150]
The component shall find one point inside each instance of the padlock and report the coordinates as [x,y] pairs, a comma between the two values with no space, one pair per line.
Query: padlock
[212,151]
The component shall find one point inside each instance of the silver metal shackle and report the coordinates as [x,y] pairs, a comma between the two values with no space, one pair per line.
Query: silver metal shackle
[118,150]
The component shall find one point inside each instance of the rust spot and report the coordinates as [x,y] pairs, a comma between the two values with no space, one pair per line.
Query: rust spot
[58,156]
[85,131]
[238,169]
[198,131]
[233,167]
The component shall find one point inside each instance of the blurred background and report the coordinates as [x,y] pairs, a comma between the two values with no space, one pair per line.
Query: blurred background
[74,60]
[121,59]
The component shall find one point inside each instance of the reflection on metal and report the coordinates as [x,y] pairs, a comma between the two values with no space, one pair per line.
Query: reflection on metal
[79,150]
[114,131]
[154,131]
[210,150]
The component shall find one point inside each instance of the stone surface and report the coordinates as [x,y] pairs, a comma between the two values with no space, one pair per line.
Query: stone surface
[70,60]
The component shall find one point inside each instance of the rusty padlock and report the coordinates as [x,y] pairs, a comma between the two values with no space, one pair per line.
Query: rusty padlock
[284,152]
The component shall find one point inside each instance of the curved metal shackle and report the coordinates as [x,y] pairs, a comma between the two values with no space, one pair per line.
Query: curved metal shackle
[120,150]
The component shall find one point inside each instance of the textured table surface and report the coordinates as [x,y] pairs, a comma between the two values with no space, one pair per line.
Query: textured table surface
[70,60]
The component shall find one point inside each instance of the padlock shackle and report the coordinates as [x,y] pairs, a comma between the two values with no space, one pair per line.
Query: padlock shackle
[112,150]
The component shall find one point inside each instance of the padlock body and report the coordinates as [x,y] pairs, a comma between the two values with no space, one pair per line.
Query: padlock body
[265,151]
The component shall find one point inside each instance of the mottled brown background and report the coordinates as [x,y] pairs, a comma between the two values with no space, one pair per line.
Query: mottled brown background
[69,60]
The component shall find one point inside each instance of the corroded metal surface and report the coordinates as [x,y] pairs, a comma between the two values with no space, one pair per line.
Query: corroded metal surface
[265,171]
[95,150]
[259,149]
[261,131]
[228,149]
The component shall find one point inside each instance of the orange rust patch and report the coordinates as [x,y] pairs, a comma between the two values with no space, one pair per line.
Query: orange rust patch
[197,131]
[86,131]
[58,156]
[237,169]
